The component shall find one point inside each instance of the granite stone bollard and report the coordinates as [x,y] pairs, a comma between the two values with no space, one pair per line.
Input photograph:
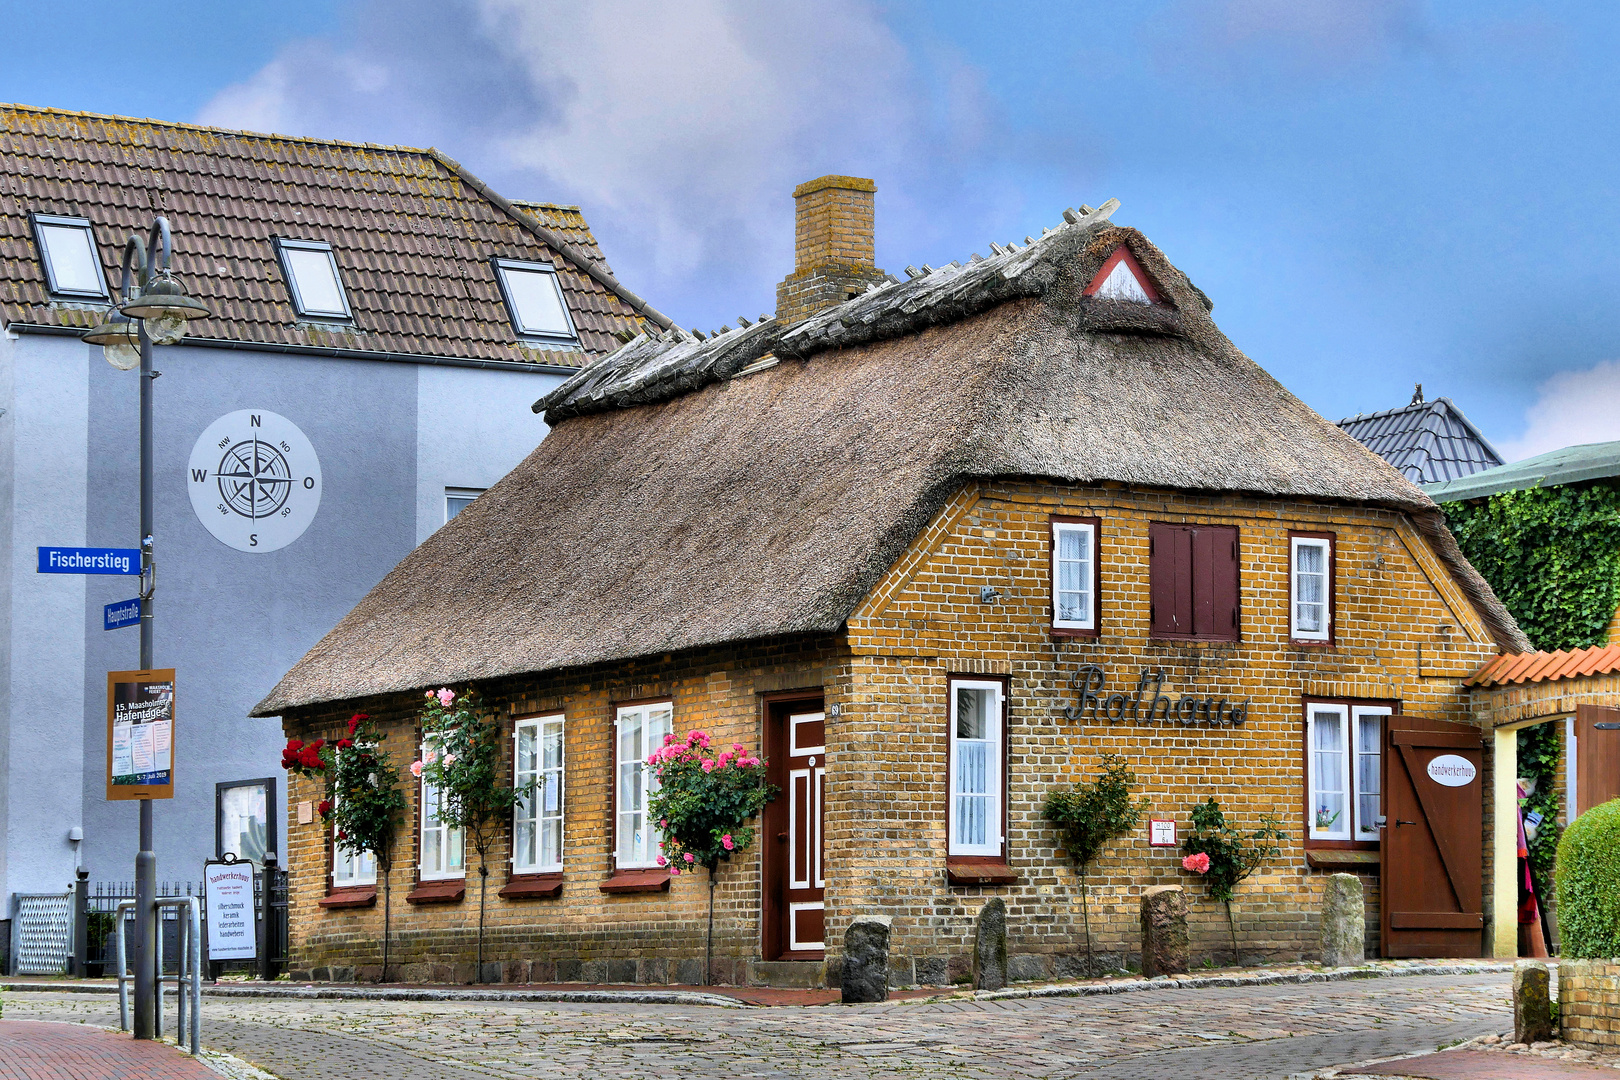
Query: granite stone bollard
[866,960]
[990,946]
[1344,922]
[1164,931]
[1532,1002]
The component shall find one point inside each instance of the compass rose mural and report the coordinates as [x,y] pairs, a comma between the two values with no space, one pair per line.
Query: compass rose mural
[255,480]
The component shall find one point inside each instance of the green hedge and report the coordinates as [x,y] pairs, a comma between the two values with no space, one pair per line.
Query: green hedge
[1589,884]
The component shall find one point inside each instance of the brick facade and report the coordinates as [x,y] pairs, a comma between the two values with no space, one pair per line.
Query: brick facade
[1589,1002]
[1404,634]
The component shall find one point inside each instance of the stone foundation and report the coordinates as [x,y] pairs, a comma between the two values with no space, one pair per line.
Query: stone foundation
[1589,1002]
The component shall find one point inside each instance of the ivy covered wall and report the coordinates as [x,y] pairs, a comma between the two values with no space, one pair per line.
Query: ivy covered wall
[1553,557]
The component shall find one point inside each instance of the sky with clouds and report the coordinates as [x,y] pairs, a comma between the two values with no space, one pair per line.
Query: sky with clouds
[1374,192]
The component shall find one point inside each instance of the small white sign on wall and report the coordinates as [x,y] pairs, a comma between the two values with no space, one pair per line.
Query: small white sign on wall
[1449,770]
[228,893]
[1161,832]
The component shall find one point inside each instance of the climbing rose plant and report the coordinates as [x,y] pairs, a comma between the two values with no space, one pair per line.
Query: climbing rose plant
[1224,857]
[705,800]
[461,759]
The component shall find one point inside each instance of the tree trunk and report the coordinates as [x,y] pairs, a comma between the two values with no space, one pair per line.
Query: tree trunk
[388,896]
[483,888]
[1085,910]
[1231,924]
[708,964]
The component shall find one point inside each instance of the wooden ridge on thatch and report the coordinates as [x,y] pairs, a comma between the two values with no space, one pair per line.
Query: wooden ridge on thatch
[760,483]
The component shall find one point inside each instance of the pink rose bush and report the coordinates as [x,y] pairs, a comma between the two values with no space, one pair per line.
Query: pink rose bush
[704,799]
[1198,864]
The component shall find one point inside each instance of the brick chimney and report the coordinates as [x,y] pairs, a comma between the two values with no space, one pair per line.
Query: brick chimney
[832,247]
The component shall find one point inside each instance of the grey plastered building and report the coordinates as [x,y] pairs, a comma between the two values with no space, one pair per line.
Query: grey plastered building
[381,322]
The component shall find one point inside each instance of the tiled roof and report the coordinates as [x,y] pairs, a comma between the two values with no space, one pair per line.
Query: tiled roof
[1569,465]
[1428,441]
[413,233]
[1547,666]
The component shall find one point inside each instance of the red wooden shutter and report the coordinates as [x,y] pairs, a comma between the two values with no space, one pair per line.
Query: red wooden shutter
[1216,575]
[1170,579]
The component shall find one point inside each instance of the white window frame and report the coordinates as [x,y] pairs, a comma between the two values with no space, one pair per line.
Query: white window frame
[1353,824]
[449,838]
[539,809]
[459,493]
[284,245]
[351,871]
[656,719]
[995,840]
[58,221]
[1294,630]
[1090,532]
[567,336]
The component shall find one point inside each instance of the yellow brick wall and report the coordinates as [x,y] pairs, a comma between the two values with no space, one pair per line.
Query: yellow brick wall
[1404,632]
[925,622]
[1589,1002]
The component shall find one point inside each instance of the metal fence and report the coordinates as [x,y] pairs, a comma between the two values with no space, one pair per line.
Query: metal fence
[99,912]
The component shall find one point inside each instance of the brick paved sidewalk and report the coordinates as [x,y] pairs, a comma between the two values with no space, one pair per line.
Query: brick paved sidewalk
[43,1050]
[1477,1065]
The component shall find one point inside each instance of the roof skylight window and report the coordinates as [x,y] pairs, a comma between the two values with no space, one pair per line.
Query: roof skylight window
[312,278]
[535,300]
[67,247]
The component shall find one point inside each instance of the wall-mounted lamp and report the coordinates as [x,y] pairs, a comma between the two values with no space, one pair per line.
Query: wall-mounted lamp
[76,837]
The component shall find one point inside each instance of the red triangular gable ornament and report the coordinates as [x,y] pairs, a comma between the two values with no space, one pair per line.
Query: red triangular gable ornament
[1122,278]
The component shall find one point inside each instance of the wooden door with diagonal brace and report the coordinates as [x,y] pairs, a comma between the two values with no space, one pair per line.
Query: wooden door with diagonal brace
[1433,861]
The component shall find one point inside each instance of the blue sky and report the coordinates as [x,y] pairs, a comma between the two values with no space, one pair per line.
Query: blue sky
[1374,192]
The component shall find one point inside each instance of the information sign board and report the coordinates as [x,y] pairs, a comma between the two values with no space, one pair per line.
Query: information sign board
[140,734]
[228,895]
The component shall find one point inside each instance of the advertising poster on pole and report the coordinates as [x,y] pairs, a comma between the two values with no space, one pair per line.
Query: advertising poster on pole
[140,734]
[228,896]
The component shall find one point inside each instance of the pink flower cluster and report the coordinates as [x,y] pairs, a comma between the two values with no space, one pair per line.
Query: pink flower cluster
[429,756]
[1198,864]
[695,748]
[445,695]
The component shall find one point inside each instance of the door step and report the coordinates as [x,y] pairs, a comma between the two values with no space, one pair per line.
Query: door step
[792,974]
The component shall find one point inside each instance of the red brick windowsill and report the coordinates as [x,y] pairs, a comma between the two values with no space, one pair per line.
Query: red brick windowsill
[638,881]
[532,886]
[359,896]
[438,892]
[965,870]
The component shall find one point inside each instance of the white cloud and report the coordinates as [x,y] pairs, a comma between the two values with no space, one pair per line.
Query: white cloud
[681,128]
[1572,407]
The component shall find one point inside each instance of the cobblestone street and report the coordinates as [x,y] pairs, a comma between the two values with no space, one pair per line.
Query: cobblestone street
[1232,1033]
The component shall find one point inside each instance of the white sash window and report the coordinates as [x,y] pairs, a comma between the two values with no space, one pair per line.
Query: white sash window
[441,854]
[1343,745]
[1310,589]
[1074,575]
[537,825]
[976,767]
[638,731]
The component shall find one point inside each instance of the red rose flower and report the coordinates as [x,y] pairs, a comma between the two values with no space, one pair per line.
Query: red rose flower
[309,758]
[317,744]
[324,807]
[344,744]
[356,720]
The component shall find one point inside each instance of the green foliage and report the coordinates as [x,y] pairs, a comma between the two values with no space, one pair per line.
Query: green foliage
[1089,816]
[462,760]
[1551,554]
[1232,856]
[1589,884]
[704,803]
[363,803]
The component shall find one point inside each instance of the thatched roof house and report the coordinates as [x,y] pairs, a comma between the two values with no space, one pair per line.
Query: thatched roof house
[758,482]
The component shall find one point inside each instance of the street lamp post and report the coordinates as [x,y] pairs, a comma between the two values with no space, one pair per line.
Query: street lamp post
[158,312]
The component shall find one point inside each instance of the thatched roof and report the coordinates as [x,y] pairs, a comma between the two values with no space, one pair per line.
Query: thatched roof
[761,482]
